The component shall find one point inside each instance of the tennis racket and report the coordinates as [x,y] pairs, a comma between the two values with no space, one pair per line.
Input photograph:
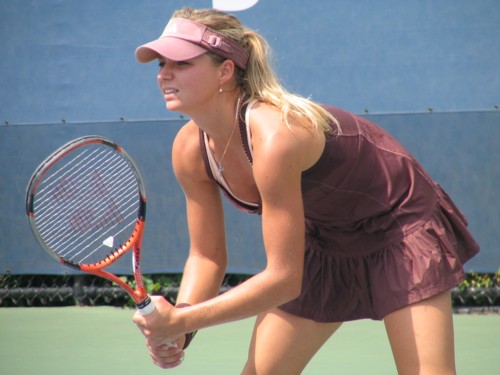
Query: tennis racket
[86,205]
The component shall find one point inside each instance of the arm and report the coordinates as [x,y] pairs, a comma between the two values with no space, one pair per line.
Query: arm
[280,156]
[205,267]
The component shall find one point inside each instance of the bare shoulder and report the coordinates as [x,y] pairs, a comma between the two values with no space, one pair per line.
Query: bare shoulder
[186,134]
[272,139]
[186,155]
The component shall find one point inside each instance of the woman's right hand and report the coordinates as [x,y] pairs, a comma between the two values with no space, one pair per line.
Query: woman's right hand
[167,355]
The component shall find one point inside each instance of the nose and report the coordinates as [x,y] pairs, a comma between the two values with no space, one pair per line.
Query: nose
[165,73]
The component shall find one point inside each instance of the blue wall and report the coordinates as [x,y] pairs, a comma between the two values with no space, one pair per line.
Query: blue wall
[427,71]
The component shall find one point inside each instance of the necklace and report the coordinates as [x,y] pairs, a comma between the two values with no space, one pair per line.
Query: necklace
[219,162]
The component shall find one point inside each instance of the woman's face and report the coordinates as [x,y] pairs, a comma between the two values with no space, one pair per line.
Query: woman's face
[187,85]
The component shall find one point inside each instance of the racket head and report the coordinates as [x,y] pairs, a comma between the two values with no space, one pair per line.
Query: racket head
[86,205]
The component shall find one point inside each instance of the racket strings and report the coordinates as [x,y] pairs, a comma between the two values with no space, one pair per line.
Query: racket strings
[69,168]
[88,190]
[86,198]
[64,177]
[97,222]
[50,200]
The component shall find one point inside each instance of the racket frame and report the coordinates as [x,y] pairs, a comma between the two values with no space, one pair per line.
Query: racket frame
[139,295]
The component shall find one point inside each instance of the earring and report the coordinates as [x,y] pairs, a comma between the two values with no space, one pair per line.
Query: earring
[220,90]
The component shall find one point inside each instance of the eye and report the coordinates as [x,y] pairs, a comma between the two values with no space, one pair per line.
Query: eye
[173,64]
[161,62]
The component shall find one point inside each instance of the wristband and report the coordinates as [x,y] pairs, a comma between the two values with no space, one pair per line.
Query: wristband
[190,335]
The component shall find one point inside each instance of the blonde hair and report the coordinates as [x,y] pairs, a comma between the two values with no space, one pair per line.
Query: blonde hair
[259,81]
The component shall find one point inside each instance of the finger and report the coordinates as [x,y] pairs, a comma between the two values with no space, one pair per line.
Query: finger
[139,321]
[138,318]
[165,350]
[167,347]
[166,356]
[159,341]
[169,365]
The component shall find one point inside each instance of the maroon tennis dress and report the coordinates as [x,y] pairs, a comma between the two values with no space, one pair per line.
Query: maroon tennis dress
[380,233]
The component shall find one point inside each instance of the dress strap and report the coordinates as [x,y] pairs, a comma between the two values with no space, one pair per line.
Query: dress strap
[246,132]
[212,172]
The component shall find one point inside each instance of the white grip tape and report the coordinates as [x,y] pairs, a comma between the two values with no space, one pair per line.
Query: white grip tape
[148,309]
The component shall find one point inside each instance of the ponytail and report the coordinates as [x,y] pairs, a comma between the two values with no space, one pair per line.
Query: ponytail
[261,83]
[259,80]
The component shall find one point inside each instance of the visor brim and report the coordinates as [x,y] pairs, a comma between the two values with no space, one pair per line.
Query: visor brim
[172,48]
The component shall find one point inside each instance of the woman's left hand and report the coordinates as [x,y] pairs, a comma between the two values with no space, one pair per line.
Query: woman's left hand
[164,346]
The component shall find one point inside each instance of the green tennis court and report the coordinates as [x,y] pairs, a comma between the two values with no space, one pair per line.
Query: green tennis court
[103,340]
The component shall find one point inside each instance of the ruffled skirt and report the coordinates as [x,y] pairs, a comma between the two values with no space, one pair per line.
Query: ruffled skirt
[428,261]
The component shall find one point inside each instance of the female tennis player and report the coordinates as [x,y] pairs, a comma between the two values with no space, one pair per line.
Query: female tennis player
[353,226]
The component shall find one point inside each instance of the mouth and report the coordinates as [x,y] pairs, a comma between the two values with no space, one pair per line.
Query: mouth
[170,91]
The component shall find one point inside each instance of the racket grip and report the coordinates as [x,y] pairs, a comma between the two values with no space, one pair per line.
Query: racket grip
[146,307]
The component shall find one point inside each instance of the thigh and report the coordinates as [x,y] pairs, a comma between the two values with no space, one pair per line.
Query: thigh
[421,337]
[283,343]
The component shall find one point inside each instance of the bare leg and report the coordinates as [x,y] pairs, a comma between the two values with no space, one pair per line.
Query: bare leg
[283,344]
[421,337]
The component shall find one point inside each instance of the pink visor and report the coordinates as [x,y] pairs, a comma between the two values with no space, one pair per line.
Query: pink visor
[183,39]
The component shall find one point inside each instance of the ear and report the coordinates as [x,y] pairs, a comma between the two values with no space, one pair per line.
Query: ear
[226,71]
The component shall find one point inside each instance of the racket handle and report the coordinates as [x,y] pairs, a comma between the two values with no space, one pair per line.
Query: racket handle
[146,307]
